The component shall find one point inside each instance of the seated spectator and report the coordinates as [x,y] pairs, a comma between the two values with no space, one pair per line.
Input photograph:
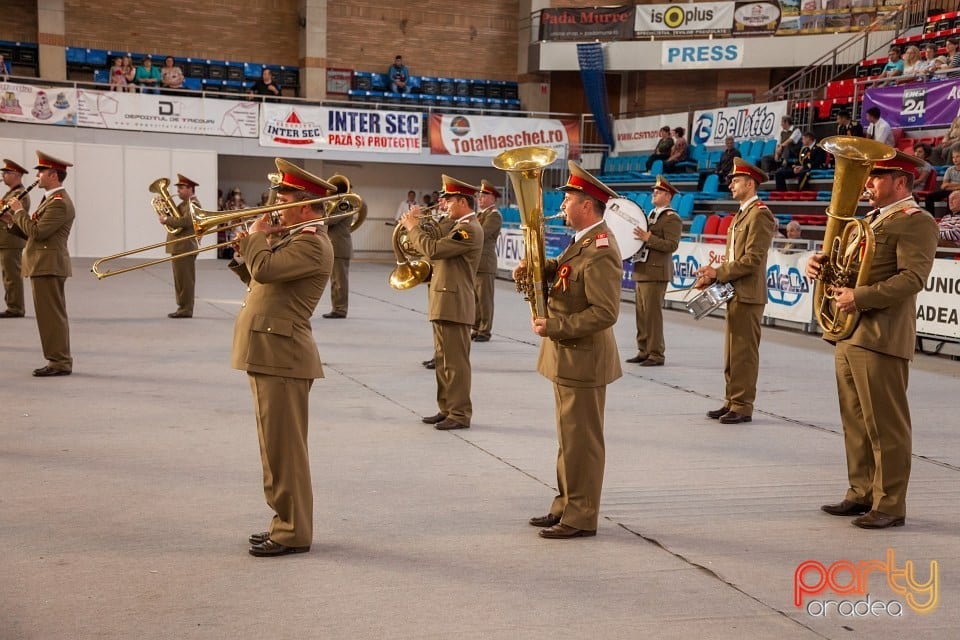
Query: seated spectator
[922,151]
[4,68]
[678,153]
[953,53]
[951,141]
[265,86]
[951,182]
[894,66]
[879,128]
[663,148]
[786,149]
[234,201]
[399,76]
[911,65]
[929,64]
[811,157]
[171,76]
[724,164]
[118,81]
[148,76]
[129,73]
[794,233]
[847,128]
[949,224]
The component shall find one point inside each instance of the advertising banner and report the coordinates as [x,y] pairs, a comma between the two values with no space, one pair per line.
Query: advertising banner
[756,18]
[938,303]
[166,113]
[589,23]
[702,18]
[703,54]
[642,134]
[306,127]
[510,249]
[746,122]
[38,104]
[925,104]
[463,135]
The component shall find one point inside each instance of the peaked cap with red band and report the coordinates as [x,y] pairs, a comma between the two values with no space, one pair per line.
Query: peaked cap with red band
[184,181]
[49,162]
[900,162]
[454,187]
[663,183]
[743,168]
[583,182]
[294,178]
[487,187]
[10,165]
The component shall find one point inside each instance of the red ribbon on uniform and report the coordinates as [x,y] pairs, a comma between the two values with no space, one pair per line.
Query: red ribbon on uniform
[563,275]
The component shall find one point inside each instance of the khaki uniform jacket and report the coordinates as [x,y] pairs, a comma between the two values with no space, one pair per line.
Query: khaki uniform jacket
[750,236]
[186,240]
[9,239]
[906,243]
[490,220]
[339,233]
[455,256]
[580,349]
[47,232]
[272,333]
[666,230]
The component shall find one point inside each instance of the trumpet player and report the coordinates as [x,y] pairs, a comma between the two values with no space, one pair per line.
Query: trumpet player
[11,244]
[873,363]
[184,267]
[454,250]
[745,267]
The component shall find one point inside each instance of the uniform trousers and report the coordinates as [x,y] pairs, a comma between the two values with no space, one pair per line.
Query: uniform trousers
[281,407]
[50,304]
[184,282]
[872,388]
[485,283]
[451,344]
[741,355]
[649,309]
[12,279]
[580,456]
[340,285]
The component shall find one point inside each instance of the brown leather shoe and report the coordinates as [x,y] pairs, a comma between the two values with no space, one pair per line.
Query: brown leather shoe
[440,417]
[732,417]
[544,521]
[717,413]
[259,538]
[846,508]
[271,549]
[448,424]
[878,520]
[46,372]
[637,359]
[651,363]
[563,532]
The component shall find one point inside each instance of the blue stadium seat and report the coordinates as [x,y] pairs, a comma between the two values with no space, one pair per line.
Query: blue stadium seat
[744,147]
[76,56]
[378,82]
[685,210]
[97,57]
[696,227]
[656,168]
[194,84]
[711,184]
[769,147]
[101,75]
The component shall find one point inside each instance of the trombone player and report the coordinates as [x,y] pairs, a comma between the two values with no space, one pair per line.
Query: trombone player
[183,241]
[873,362]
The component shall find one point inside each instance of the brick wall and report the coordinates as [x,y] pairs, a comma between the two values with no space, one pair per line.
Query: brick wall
[19,19]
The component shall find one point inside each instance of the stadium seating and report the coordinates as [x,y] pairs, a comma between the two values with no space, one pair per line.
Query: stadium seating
[697,224]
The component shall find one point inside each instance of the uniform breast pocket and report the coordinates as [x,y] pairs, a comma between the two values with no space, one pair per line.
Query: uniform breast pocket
[271,342]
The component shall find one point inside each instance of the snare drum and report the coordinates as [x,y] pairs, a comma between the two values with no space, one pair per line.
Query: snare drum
[710,299]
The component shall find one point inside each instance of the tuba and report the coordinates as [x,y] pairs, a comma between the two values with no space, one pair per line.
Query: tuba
[412,268]
[525,167]
[848,242]
[163,203]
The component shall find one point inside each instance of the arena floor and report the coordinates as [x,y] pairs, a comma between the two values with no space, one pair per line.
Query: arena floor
[127,490]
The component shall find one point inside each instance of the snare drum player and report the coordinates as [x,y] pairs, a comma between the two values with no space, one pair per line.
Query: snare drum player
[744,267]
[652,270]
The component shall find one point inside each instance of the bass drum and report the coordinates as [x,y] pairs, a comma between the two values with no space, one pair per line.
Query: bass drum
[623,216]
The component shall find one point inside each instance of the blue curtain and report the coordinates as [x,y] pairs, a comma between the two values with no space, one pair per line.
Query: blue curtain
[590,55]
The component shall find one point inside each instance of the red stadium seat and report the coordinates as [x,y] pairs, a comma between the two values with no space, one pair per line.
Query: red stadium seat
[711,227]
[725,223]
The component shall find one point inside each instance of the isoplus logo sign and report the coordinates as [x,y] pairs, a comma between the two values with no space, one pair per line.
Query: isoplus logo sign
[813,581]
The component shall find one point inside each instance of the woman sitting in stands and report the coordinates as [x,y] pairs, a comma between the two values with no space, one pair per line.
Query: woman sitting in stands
[118,81]
[129,73]
[923,151]
[911,65]
[171,76]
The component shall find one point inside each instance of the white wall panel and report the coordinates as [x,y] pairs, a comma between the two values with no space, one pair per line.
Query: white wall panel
[99,226]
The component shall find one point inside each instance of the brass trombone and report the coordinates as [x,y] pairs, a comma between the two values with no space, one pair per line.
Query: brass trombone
[340,206]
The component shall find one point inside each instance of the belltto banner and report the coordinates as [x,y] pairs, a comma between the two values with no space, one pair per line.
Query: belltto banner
[747,122]
[591,23]
[701,18]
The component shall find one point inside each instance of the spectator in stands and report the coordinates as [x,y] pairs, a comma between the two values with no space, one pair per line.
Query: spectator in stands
[911,65]
[787,147]
[931,62]
[793,233]
[950,142]
[4,68]
[234,201]
[399,76]
[265,86]
[724,164]
[427,200]
[847,128]
[407,204]
[951,182]
[949,225]
[922,150]
[435,198]
[810,157]
[171,76]
[118,81]
[148,76]
[953,53]
[894,66]
[130,73]
[879,128]
[678,153]
[662,151]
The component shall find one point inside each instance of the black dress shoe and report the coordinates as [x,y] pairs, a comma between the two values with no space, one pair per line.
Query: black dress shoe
[651,363]
[473,335]
[430,364]
[846,508]
[878,520]
[270,549]
[637,359]
[481,338]
[440,417]
[564,532]
[732,417]
[177,314]
[335,314]
[10,314]
[448,424]
[544,521]
[259,538]
[427,362]
[46,372]
[717,413]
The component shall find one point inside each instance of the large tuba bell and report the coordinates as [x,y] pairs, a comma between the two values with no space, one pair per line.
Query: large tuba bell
[525,167]
[163,203]
[412,268]
[342,183]
[848,242]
